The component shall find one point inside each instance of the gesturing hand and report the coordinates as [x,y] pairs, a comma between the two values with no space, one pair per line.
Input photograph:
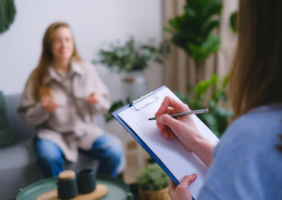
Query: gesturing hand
[181,192]
[92,99]
[48,104]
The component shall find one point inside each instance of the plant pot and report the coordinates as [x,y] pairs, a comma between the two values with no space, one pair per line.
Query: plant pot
[135,84]
[154,195]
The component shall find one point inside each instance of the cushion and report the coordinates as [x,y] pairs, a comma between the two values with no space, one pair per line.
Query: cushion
[6,133]
[20,129]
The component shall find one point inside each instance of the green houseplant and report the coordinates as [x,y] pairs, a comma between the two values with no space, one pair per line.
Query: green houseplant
[7,14]
[210,94]
[192,31]
[131,56]
[152,182]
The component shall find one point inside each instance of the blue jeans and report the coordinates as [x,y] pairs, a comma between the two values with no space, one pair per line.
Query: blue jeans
[50,157]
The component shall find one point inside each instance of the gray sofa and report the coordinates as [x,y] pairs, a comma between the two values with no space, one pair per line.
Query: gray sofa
[18,166]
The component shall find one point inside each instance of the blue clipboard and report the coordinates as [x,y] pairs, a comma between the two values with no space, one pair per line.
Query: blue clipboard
[136,137]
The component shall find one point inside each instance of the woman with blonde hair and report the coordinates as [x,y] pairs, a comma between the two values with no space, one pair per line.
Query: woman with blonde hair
[247,162]
[59,100]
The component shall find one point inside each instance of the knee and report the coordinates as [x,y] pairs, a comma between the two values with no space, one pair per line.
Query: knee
[49,159]
[48,153]
[114,153]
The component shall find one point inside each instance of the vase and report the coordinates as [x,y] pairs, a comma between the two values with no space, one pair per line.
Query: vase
[154,195]
[135,84]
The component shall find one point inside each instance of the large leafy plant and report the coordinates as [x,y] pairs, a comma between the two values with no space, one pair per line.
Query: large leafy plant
[152,178]
[210,94]
[131,56]
[7,14]
[192,31]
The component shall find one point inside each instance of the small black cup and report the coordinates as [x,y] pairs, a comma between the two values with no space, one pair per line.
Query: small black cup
[86,181]
[67,189]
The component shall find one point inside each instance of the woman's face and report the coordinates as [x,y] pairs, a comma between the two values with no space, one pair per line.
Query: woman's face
[62,44]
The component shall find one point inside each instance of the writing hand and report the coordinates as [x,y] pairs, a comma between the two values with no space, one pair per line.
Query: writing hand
[184,127]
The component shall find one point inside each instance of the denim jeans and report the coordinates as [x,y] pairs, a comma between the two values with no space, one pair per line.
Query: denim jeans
[50,157]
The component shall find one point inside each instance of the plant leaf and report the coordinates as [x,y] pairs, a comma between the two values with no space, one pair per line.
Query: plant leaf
[210,46]
[233,22]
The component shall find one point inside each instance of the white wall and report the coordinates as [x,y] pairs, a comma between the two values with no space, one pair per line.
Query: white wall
[93,22]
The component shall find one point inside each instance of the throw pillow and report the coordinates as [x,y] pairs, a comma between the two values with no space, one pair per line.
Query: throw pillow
[6,133]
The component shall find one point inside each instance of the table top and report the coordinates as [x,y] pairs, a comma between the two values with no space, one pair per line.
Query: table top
[117,189]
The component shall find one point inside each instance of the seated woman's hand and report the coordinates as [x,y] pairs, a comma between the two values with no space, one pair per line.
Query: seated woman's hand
[48,104]
[183,127]
[181,192]
[92,99]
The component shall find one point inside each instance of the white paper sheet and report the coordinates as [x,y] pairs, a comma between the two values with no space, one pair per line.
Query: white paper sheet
[178,160]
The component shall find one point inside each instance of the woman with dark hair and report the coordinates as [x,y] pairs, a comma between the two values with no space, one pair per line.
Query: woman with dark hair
[59,100]
[247,162]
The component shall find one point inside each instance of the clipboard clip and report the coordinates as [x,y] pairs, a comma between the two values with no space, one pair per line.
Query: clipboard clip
[144,101]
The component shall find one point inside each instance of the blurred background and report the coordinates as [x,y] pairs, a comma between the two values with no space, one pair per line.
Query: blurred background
[136,47]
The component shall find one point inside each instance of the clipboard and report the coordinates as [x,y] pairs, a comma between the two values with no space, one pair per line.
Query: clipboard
[142,103]
[137,138]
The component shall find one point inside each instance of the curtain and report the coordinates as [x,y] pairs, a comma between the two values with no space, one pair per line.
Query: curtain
[179,69]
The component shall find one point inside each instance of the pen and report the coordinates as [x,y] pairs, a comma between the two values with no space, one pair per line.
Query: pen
[185,113]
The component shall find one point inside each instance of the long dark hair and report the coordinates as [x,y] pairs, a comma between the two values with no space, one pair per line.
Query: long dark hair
[256,73]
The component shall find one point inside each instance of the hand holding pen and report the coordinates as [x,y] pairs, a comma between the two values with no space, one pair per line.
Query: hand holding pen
[184,128]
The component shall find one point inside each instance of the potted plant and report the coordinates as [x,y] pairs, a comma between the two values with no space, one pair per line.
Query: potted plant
[218,118]
[153,183]
[193,31]
[132,58]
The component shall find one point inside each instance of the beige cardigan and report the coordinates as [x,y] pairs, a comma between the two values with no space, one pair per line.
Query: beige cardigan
[71,126]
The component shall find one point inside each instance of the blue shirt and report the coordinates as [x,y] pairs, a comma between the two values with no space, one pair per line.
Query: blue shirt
[246,164]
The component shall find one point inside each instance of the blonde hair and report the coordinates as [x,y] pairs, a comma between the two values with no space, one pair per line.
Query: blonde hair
[41,71]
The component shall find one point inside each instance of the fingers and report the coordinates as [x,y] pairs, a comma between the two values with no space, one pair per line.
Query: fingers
[45,101]
[169,121]
[171,134]
[169,111]
[187,180]
[51,107]
[164,130]
[94,98]
[172,185]
[171,188]
[48,104]
[170,102]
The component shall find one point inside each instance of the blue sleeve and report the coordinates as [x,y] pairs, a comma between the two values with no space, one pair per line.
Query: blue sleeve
[239,164]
